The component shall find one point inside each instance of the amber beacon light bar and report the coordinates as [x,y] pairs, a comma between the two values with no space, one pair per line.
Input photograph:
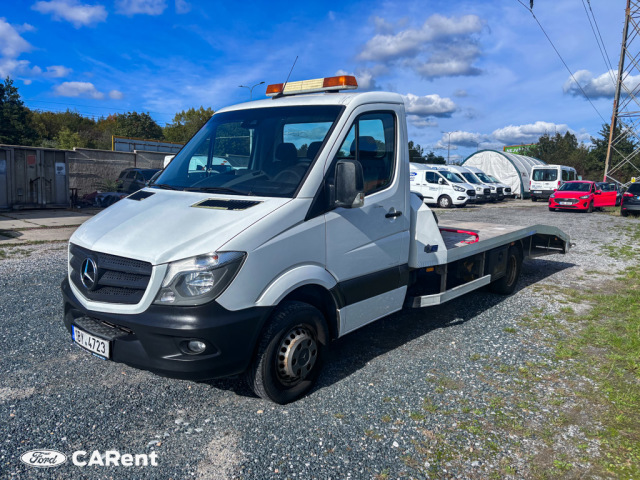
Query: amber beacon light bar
[326,84]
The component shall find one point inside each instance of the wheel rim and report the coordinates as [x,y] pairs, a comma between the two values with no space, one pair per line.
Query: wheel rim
[297,355]
[444,202]
[511,270]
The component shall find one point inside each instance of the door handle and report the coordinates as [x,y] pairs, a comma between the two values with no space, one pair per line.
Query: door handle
[393,214]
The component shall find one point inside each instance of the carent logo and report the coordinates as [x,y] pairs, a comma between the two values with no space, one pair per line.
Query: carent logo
[43,458]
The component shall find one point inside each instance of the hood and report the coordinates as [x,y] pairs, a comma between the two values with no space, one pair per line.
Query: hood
[166,226]
[569,194]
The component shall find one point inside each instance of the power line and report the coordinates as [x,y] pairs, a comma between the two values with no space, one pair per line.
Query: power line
[601,40]
[604,57]
[562,60]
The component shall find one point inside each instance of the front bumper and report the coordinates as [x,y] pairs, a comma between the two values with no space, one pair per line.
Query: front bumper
[155,339]
[537,193]
[583,204]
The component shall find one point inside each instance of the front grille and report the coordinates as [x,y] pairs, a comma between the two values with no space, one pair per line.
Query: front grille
[117,279]
[487,191]
[500,191]
[507,190]
[471,193]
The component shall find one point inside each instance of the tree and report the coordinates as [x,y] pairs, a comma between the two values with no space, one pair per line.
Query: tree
[594,162]
[133,125]
[50,126]
[418,155]
[435,159]
[186,124]
[561,150]
[15,119]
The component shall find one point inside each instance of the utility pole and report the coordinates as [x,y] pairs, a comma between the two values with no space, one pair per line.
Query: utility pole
[621,164]
[616,98]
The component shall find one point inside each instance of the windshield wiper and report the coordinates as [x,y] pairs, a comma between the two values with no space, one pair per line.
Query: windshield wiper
[217,190]
[164,186]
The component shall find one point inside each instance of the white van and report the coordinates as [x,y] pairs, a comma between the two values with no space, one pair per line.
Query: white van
[484,192]
[546,179]
[441,188]
[502,190]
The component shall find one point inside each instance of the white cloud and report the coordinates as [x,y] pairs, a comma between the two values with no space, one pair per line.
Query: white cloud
[78,14]
[27,82]
[78,89]
[442,46]
[182,7]
[57,71]
[516,134]
[599,87]
[11,67]
[11,43]
[366,77]
[421,122]
[144,7]
[115,94]
[462,139]
[429,105]
[460,93]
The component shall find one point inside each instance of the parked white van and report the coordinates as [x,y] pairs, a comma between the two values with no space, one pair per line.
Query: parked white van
[441,188]
[484,192]
[546,179]
[502,189]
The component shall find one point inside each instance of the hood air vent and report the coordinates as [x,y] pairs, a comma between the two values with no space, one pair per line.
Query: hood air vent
[220,204]
[140,195]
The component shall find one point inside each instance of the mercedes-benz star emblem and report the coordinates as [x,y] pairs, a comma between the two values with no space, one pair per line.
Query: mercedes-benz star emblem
[89,274]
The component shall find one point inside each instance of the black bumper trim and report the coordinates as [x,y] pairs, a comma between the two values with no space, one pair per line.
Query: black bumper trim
[159,335]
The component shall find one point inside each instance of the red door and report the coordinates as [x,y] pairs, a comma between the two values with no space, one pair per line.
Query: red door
[604,198]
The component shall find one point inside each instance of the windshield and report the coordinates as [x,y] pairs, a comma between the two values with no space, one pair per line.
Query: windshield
[260,151]
[634,188]
[575,187]
[452,177]
[493,179]
[484,177]
[545,175]
[470,178]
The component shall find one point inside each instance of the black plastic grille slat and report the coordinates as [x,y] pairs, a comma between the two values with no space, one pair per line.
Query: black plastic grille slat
[500,190]
[487,191]
[119,279]
[140,195]
[221,204]
[471,193]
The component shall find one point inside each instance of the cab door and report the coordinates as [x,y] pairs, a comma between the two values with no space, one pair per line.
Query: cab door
[367,247]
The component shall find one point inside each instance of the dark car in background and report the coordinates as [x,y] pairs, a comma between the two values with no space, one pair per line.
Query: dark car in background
[631,201]
[133,179]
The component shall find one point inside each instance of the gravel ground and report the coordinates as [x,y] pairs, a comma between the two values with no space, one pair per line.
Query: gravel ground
[428,393]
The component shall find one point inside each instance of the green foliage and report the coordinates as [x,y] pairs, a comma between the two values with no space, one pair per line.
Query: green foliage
[133,125]
[15,119]
[418,155]
[186,124]
[597,156]
[66,139]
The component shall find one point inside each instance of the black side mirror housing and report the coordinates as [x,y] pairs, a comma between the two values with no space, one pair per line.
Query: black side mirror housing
[349,181]
[441,181]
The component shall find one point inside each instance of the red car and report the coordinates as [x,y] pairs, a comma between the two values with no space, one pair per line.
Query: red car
[581,195]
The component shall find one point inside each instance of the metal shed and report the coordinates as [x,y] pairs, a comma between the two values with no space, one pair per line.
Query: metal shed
[511,169]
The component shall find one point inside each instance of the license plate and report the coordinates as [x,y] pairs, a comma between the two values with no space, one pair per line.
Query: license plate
[97,346]
[537,191]
[565,203]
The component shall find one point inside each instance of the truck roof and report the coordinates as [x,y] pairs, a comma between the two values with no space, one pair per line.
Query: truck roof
[348,98]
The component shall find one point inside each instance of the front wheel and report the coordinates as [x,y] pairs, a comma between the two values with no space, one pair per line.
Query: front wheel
[590,209]
[289,355]
[445,201]
[507,284]
[551,209]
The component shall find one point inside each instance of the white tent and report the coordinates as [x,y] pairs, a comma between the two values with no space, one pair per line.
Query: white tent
[511,169]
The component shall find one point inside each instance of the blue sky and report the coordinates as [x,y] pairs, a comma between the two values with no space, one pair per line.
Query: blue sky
[482,70]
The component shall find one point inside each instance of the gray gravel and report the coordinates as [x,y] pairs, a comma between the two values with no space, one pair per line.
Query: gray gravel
[420,394]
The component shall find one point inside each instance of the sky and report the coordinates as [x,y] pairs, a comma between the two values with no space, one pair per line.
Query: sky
[474,74]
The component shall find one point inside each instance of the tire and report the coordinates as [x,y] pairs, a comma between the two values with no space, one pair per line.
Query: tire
[590,209]
[445,201]
[551,209]
[624,213]
[507,284]
[289,355]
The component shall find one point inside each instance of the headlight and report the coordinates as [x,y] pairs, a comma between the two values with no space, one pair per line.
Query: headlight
[553,195]
[584,197]
[198,280]
[458,189]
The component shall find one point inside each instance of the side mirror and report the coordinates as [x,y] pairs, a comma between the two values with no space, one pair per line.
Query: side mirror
[441,181]
[598,192]
[349,184]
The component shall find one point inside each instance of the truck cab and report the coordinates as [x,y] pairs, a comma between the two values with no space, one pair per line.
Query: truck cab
[283,224]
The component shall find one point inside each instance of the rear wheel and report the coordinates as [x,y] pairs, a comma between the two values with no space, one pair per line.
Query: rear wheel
[624,213]
[507,284]
[445,201]
[289,355]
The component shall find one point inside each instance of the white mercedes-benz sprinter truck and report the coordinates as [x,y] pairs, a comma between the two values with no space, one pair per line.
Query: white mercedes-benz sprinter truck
[283,224]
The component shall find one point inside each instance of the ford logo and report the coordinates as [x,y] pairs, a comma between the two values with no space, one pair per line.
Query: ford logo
[43,458]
